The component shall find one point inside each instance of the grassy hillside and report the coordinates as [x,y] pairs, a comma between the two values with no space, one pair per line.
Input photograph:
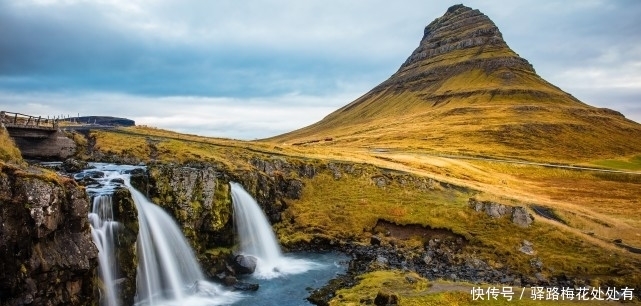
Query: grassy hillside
[502,121]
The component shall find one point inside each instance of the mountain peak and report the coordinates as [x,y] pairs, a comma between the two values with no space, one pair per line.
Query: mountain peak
[462,36]
[464,90]
[461,27]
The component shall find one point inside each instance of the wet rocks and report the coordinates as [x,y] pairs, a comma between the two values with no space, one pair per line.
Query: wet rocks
[245,264]
[86,178]
[243,286]
[72,165]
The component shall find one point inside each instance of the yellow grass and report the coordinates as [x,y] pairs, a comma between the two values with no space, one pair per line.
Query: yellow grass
[8,150]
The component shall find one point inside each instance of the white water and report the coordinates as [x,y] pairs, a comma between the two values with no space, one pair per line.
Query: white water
[168,273]
[103,232]
[257,238]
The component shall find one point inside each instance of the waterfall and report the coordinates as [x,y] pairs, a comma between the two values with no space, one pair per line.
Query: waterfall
[167,266]
[256,238]
[168,272]
[103,232]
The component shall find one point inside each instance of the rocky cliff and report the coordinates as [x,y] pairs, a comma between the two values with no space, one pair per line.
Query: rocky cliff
[198,196]
[47,256]
[446,50]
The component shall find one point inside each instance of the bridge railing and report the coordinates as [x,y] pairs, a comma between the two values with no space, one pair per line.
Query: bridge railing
[23,120]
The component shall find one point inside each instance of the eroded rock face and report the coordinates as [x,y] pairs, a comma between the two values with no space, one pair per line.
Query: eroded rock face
[460,28]
[126,256]
[47,256]
[446,48]
[198,198]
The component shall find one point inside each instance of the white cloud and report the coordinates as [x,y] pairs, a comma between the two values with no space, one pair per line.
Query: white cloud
[588,48]
[221,117]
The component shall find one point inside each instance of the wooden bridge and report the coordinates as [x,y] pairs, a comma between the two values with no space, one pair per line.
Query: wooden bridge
[21,125]
[37,137]
[10,119]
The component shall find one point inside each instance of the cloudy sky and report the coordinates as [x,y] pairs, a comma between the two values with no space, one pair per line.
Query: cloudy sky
[253,69]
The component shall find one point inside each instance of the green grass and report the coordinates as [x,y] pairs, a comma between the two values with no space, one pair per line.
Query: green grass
[120,144]
[633,164]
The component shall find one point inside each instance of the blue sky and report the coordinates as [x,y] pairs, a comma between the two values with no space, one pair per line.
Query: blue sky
[253,69]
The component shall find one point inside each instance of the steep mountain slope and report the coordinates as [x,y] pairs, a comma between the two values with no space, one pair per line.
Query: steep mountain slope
[463,90]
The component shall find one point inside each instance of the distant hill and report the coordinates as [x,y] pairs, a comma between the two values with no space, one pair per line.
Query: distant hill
[103,120]
[463,90]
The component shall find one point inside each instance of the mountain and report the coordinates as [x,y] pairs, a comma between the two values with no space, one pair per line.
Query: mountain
[464,91]
[103,120]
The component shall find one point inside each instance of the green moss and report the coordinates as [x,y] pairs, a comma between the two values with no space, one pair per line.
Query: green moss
[221,206]
[219,252]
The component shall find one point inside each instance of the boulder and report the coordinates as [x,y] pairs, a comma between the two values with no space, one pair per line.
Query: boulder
[521,217]
[230,280]
[72,165]
[245,264]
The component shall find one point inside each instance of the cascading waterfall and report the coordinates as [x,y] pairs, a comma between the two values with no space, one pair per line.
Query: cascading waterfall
[256,238]
[103,231]
[168,273]
[166,262]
